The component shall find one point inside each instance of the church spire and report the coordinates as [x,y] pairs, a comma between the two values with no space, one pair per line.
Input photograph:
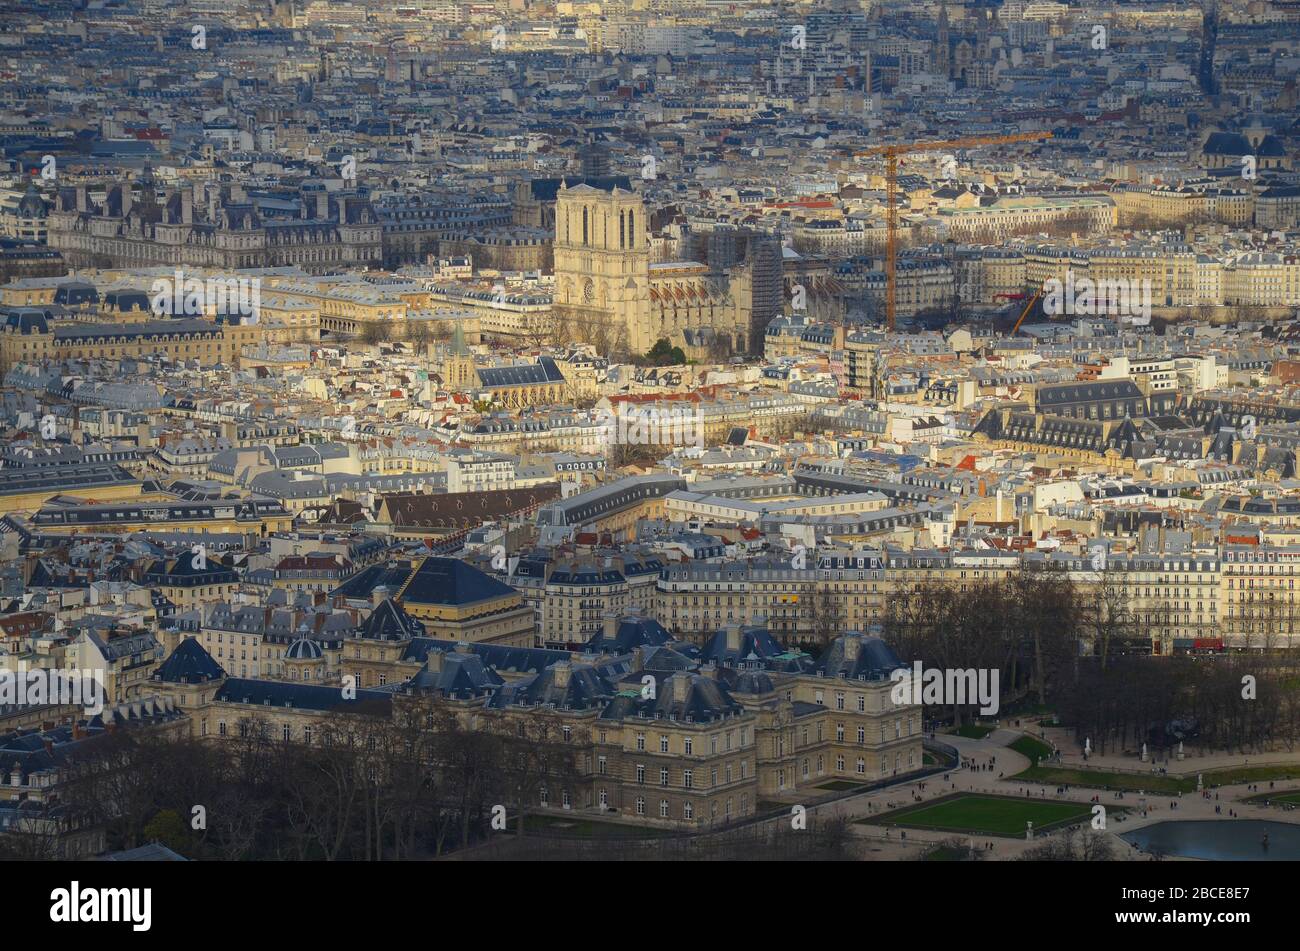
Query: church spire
[458,347]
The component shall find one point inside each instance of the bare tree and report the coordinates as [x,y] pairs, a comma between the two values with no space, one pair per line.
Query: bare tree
[419,333]
[325,795]
[1109,618]
[375,332]
[827,621]
[538,758]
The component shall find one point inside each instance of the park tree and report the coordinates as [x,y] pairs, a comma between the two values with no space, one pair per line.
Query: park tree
[664,354]
[375,332]
[827,621]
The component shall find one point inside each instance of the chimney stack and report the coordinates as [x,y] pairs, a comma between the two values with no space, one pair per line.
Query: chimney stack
[611,625]
[434,661]
[681,686]
[852,647]
[734,638]
[187,205]
[322,206]
[561,670]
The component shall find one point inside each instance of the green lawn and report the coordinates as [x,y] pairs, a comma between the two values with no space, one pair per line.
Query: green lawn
[1146,782]
[1032,748]
[1249,774]
[973,731]
[840,785]
[1024,710]
[985,815]
[1286,798]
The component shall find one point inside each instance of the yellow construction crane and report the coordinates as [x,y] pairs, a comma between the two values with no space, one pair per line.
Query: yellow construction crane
[891,154]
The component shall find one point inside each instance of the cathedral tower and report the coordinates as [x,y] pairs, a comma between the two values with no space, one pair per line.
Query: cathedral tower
[602,268]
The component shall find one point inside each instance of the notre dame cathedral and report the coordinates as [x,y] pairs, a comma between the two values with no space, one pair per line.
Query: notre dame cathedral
[608,292]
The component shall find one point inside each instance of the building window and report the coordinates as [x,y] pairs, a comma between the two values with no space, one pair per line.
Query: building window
[663,777]
[640,805]
[663,808]
[663,744]
[688,778]
[640,774]
[688,810]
